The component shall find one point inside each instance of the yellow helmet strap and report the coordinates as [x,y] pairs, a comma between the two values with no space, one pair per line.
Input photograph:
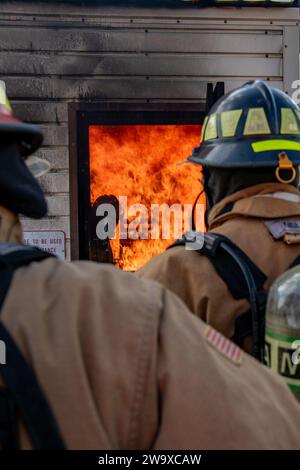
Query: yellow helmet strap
[285,164]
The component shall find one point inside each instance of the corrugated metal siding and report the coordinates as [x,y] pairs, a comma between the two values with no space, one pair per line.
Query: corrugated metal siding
[51,56]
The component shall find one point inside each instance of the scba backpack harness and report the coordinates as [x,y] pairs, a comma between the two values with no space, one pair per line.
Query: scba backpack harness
[243,278]
[22,397]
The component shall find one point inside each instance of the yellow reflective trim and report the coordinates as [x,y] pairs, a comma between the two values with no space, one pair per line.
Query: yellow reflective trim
[297,111]
[211,130]
[229,122]
[2,94]
[289,123]
[203,128]
[256,122]
[267,145]
[8,106]
[3,98]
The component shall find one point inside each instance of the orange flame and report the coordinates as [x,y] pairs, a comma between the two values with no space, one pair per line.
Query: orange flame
[141,162]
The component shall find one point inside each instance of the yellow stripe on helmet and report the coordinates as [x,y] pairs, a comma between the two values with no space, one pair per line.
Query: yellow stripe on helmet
[267,145]
[3,98]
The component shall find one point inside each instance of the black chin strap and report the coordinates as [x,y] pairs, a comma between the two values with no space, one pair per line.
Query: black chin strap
[205,189]
[194,228]
[25,397]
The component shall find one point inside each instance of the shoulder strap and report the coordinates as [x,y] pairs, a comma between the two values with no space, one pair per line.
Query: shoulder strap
[23,392]
[9,434]
[222,253]
[243,278]
[230,262]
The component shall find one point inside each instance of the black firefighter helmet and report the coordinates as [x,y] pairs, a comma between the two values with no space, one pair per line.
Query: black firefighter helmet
[253,126]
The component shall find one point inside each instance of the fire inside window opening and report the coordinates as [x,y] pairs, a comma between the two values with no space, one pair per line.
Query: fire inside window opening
[140,162]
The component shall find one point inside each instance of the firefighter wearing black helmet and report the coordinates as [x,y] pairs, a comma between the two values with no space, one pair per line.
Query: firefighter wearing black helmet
[249,154]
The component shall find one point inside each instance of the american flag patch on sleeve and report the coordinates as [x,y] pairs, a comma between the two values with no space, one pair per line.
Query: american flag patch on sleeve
[226,347]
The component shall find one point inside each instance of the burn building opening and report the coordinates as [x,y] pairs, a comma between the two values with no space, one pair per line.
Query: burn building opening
[134,163]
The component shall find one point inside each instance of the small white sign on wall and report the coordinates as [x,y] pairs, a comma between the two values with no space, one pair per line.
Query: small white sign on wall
[51,241]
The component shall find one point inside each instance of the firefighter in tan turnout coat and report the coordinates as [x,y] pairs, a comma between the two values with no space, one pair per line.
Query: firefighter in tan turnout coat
[250,153]
[98,359]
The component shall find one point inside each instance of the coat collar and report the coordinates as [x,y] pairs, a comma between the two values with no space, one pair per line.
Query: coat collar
[258,202]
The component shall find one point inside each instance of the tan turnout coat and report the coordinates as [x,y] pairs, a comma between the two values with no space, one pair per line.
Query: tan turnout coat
[124,364]
[192,276]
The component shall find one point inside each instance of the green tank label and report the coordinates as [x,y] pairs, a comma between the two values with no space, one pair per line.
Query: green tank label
[282,354]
